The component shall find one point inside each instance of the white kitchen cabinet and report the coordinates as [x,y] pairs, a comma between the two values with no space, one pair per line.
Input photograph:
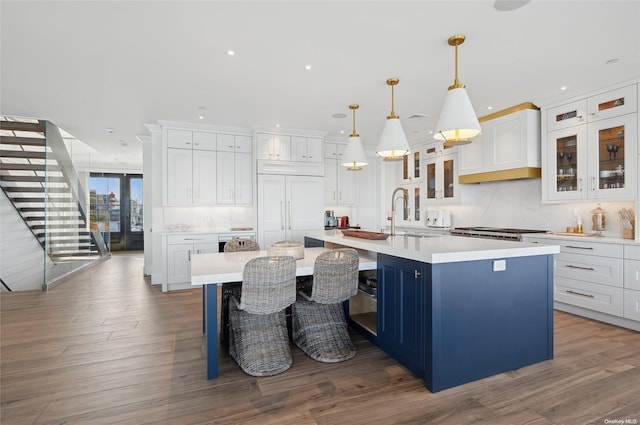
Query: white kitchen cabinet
[191,177]
[591,147]
[234,178]
[180,139]
[205,141]
[412,167]
[233,143]
[306,149]
[412,216]
[339,183]
[508,148]
[593,161]
[590,275]
[441,176]
[178,251]
[273,147]
[288,207]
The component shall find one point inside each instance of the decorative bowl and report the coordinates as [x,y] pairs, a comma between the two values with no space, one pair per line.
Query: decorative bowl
[293,249]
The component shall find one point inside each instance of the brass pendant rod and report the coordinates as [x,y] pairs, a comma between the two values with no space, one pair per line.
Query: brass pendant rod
[456,82]
[353,107]
[392,82]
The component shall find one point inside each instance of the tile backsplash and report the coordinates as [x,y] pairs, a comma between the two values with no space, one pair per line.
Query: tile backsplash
[517,204]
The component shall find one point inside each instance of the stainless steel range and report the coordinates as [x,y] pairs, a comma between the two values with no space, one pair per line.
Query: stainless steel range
[493,232]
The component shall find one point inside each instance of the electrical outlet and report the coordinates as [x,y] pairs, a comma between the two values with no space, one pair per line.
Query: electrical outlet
[499,265]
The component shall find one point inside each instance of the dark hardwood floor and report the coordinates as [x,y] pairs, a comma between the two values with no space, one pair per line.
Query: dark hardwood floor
[108,348]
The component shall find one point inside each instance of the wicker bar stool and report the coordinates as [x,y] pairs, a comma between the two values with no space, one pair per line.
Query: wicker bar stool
[241,244]
[258,339]
[319,325]
[232,289]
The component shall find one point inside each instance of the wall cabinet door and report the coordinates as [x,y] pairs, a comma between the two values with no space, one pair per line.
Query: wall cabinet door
[411,167]
[442,179]
[234,174]
[401,310]
[180,176]
[204,177]
[565,172]
[179,258]
[306,149]
[180,139]
[613,103]
[330,182]
[273,147]
[567,115]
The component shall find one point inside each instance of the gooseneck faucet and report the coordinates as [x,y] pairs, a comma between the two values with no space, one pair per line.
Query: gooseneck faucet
[405,198]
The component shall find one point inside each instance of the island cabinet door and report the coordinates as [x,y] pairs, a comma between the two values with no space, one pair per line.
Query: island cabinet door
[401,288]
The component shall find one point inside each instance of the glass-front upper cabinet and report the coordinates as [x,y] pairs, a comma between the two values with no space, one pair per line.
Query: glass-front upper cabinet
[612,152]
[593,161]
[411,167]
[612,103]
[442,176]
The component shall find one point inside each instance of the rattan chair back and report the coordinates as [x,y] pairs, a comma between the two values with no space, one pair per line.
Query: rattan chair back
[268,284]
[335,276]
[241,244]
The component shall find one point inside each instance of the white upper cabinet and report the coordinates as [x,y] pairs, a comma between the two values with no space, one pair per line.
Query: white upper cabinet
[306,149]
[567,115]
[339,183]
[207,168]
[594,159]
[273,147]
[205,141]
[180,139]
[232,143]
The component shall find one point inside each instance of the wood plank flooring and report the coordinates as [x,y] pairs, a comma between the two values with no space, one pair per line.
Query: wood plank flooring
[108,348]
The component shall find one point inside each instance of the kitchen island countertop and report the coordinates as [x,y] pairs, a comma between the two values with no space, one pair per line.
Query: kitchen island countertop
[436,249]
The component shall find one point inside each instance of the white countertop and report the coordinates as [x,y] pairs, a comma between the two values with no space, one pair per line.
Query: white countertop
[586,237]
[440,249]
[226,267]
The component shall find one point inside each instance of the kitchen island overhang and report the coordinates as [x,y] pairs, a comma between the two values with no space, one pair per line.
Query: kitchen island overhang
[453,310]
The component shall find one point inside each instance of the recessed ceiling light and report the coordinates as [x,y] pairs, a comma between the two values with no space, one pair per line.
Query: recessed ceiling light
[611,61]
[339,115]
[341,131]
[563,88]
[489,107]
[110,130]
[431,132]
[201,117]
[277,125]
[307,67]
[123,143]
[231,52]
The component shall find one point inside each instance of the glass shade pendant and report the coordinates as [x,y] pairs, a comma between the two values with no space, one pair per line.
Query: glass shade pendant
[354,157]
[458,124]
[393,144]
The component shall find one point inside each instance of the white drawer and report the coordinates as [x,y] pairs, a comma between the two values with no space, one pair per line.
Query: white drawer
[632,304]
[603,298]
[632,252]
[529,239]
[632,274]
[192,238]
[591,248]
[601,270]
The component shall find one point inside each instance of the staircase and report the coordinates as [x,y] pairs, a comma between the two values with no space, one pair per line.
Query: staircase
[38,177]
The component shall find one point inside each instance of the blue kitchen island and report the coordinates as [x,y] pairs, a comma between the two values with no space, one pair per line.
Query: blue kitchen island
[452,309]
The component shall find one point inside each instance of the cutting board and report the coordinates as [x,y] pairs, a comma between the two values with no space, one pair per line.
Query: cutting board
[363,234]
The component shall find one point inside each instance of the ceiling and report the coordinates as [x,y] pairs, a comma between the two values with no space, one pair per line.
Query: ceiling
[92,65]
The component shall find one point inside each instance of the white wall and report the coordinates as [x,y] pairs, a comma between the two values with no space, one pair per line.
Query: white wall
[21,256]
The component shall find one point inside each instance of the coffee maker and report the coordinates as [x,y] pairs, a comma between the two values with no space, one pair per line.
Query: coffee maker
[330,218]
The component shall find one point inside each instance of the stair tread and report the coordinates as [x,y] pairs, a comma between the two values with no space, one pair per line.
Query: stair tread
[37,179]
[22,126]
[23,154]
[27,141]
[30,167]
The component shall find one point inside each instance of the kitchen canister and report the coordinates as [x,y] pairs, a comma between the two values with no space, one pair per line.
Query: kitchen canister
[598,219]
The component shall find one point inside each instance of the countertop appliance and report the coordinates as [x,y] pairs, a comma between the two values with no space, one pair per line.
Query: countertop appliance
[436,218]
[493,232]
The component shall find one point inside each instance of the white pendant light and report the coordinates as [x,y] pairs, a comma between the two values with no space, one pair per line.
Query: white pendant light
[354,157]
[458,124]
[393,144]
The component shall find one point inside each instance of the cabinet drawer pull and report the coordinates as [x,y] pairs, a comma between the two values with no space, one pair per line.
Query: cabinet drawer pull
[416,274]
[581,268]
[579,247]
[579,293]
[193,239]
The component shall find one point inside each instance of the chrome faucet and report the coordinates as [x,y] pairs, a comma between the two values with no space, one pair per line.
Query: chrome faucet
[405,197]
